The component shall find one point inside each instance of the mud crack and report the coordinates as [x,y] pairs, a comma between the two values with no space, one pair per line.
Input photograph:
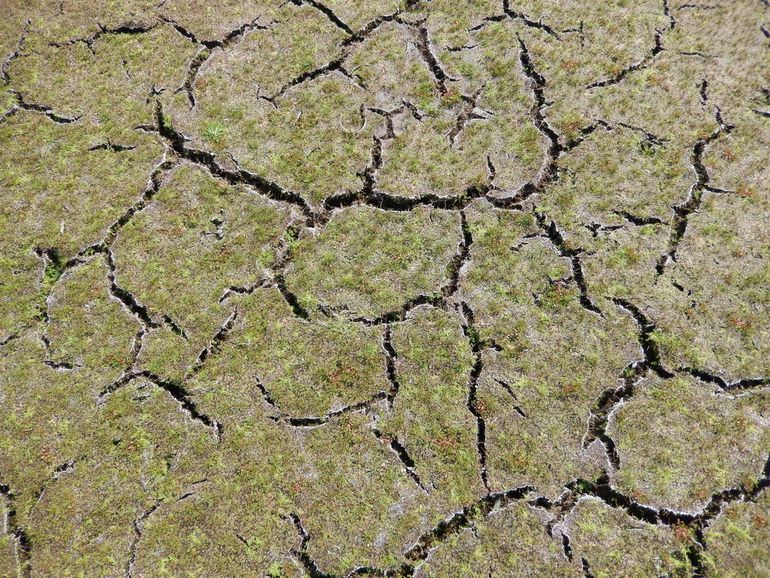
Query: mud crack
[646,60]
[683,210]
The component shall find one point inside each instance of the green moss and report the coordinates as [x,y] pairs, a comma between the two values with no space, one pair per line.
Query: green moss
[370,432]
[672,438]
[434,364]
[512,538]
[615,544]
[736,540]
[178,257]
[111,85]
[87,327]
[370,262]
[58,206]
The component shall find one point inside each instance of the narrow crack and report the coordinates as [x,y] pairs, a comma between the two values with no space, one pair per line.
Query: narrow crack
[514,397]
[398,449]
[468,113]
[152,188]
[566,545]
[471,334]
[214,345]
[646,60]
[511,14]
[244,289]
[315,421]
[597,228]
[401,314]
[457,522]
[461,48]
[460,259]
[527,21]
[639,221]
[269,400]
[586,567]
[58,472]
[369,176]
[57,365]
[422,43]
[8,339]
[417,114]
[647,329]
[9,113]
[388,115]
[651,138]
[174,388]
[43,109]
[328,68]
[237,34]
[319,420]
[605,406]
[207,50]
[548,171]
[390,365]
[231,37]
[326,11]
[491,173]
[138,527]
[301,554]
[175,328]
[565,250]
[124,29]
[584,133]
[579,30]
[240,176]
[192,74]
[695,6]
[728,387]
[691,204]
[55,268]
[110,146]
[131,303]
[15,53]
[612,398]
[22,542]
[703,92]
[291,299]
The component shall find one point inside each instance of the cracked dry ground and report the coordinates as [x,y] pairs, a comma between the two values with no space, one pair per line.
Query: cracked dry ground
[380,288]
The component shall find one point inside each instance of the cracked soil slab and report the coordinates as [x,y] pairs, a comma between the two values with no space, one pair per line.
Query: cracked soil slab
[397,288]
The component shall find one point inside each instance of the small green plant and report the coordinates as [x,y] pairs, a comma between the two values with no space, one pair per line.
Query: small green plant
[214,132]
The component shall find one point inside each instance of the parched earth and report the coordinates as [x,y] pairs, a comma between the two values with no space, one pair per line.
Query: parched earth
[376,288]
